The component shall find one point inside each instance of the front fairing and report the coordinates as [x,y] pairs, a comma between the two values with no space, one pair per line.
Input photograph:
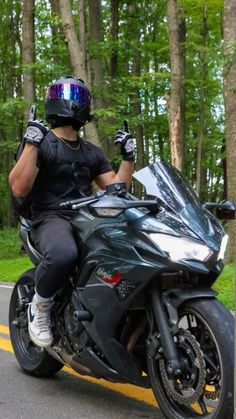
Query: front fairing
[175,194]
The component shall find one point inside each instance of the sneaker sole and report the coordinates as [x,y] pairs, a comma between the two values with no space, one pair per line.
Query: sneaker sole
[39,342]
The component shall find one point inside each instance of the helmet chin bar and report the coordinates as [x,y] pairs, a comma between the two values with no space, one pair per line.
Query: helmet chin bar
[77,118]
[57,121]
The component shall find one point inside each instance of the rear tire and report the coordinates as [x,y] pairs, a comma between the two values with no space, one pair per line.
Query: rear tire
[33,360]
[207,350]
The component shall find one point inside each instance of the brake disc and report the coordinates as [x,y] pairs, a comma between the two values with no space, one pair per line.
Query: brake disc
[188,388]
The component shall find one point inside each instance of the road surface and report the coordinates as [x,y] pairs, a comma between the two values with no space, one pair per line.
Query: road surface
[66,395]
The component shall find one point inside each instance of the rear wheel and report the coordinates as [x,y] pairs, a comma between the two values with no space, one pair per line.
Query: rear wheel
[32,359]
[205,347]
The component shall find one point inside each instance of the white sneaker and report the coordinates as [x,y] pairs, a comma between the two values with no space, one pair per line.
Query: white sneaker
[39,324]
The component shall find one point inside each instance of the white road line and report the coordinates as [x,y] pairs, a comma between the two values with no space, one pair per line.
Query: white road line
[6,286]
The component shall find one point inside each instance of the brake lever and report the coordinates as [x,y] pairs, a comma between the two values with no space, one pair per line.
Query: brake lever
[68,204]
[83,204]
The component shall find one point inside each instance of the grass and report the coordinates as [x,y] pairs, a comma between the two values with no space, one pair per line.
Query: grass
[12,265]
[11,269]
[10,243]
[225,286]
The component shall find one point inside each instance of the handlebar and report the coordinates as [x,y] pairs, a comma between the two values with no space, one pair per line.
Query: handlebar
[69,204]
[113,202]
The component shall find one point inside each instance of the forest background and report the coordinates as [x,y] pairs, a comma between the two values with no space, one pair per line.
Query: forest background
[167,66]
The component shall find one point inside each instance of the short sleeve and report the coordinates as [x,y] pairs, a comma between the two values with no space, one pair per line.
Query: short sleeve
[103,165]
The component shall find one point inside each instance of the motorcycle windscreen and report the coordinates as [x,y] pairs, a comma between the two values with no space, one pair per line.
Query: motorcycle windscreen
[172,190]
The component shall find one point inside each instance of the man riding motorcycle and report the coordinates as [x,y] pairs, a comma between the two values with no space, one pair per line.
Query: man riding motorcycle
[57,165]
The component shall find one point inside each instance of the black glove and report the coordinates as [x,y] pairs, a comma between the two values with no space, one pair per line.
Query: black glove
[127,143]
[36,129]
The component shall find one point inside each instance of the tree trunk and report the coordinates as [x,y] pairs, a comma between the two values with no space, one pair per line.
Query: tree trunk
[74,47]
[57,30]
[28,53]
[114,31]
[182,40]
[174,108]
[202,122]
[224,168]
[108,144]
[135,98]
[96,37]
[77,57]
[55,10]
[96,69]
[83,38]
[230,112]
[158,141]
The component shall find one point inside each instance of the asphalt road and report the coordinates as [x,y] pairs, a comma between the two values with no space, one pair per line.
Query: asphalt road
[63,396]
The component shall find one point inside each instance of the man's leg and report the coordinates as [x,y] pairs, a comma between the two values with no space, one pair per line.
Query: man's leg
[55,240]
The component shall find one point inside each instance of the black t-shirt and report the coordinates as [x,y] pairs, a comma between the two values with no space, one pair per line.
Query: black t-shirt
[66,170]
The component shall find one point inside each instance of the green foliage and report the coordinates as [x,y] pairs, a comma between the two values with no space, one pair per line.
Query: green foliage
[143,38]
[51,51]
[12,269]
[4,199]
[10,243]
[225,285]
[12,263]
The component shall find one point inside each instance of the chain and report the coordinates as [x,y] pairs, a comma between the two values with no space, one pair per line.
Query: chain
[68,145]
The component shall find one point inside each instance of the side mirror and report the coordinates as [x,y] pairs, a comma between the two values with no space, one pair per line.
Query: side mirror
[224,210]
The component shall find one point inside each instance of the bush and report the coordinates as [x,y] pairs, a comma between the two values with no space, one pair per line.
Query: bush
[10,244]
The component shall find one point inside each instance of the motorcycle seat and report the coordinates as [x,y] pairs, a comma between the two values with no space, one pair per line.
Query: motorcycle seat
[35,256]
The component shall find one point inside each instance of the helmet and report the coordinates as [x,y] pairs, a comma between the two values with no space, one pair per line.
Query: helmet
[68,103]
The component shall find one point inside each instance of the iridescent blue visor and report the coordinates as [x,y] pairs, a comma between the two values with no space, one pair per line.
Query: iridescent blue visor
[69,91]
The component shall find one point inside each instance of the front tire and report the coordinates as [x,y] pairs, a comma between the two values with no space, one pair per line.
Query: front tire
[33,360]
[205,346]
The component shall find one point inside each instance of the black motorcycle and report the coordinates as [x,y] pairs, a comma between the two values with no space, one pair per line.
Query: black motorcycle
[140,308]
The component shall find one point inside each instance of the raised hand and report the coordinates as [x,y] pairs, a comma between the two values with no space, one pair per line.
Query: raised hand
[36,129]
[127,144]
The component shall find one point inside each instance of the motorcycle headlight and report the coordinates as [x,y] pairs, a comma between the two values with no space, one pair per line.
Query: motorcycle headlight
[107,212]
[180,248]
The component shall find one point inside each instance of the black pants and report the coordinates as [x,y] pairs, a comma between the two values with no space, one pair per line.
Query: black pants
[54,238]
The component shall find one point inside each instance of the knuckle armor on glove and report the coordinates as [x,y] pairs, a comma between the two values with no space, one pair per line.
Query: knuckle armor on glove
[127,143]
[35,132]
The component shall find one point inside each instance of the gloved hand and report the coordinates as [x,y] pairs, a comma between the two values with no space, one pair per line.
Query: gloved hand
[127,143]
[36,129]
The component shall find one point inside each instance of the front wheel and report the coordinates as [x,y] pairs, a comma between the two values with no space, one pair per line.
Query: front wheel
[205,345]
[33,360]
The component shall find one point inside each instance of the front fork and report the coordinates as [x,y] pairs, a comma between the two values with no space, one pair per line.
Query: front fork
[168,302]
[167,346]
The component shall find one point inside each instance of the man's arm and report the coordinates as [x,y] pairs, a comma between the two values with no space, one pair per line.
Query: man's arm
[127,144]
[24,173]
[124,175]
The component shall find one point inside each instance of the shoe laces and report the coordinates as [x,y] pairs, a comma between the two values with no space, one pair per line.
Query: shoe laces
[42,316]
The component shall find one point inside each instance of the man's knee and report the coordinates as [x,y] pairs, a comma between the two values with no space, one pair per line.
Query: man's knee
[63,258]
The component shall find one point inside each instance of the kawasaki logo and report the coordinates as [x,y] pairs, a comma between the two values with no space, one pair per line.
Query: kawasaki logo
[108,277]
